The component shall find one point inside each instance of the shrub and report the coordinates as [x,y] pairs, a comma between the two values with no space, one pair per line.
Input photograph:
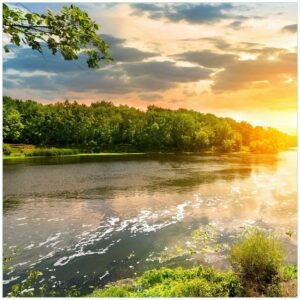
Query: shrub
[51,152]
[112,291]
[257,259]
[289,272]
[7,149]
[195,282]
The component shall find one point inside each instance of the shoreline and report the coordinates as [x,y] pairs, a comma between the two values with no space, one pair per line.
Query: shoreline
[14,155]
[9,157]
[23,156]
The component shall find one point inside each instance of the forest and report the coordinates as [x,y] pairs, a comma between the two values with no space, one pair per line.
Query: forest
[103,126]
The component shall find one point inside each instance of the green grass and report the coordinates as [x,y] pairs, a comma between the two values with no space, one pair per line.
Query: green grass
[199,281]
[258,270]
[6,157]
[29,151]
[51,152]
[195,282]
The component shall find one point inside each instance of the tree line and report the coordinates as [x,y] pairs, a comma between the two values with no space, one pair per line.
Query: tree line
[104,126]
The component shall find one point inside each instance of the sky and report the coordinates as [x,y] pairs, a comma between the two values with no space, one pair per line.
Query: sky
[235,60]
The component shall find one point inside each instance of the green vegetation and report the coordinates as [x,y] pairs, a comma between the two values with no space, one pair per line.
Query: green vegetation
[257,258]
[25,289]
[70,32]
[196,282]
[289,272]
[51,152]
[6,149]
[257,271]
[199,281]
[103,127]
[15,151]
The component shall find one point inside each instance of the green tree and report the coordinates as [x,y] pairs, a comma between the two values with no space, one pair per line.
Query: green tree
[12,124]
[103,126]
[70,32]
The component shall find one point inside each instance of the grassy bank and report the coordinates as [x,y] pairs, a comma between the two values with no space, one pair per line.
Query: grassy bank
[11,151]
[15,151]
[257,270]
[199,281]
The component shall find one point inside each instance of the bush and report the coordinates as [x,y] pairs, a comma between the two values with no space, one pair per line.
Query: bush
[7,149]
[289,272]
[51,152]
[257,259]
[195,282]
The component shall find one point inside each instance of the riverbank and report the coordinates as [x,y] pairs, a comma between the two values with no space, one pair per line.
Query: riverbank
[22,156]
[23,151]
[198,281]
[257,270]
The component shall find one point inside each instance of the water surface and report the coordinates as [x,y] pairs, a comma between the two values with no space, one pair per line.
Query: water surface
[92,220]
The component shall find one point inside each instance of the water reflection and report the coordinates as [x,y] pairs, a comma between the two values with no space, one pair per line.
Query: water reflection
[79,218]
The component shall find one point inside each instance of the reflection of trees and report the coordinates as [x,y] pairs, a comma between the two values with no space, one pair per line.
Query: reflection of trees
[173,173]
[205,177]
[11,203]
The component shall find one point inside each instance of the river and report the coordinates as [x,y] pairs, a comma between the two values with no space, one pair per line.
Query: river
[87,221]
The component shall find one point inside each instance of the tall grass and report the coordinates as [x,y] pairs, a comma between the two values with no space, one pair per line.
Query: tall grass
[257,259]
[7,149]
[51,152]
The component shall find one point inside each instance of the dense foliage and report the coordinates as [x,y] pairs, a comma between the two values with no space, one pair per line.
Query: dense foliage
[70,32]
[51,152]
[196,282]
[103,126]
[257,258]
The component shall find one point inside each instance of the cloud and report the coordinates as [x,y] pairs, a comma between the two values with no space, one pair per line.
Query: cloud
[128,54]
[27,60]
[48,72]
[201,13]
[121,53]
[166,70]
[207,58]
[256,73]
[112,40]
[235,25]
[290,28]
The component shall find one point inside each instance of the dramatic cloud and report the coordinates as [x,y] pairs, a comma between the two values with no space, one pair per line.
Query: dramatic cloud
[112,41]
[253,73]
[290,28]
[165,70]
[207,58]
[191,13]
[230,59]
[128,54]
[121,53]
[56,74]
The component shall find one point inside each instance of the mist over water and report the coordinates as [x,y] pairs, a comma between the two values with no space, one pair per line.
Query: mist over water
[92,220]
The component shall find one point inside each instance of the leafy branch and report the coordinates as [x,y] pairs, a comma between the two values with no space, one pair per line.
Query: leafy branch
[71,32]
